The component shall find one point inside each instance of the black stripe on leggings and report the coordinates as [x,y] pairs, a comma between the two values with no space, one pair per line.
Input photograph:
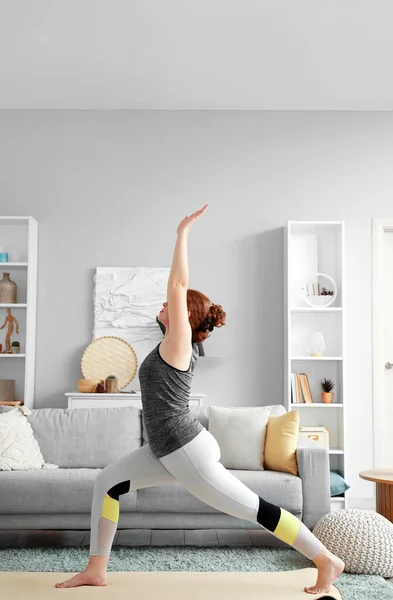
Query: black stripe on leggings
[268,514]
[119,488]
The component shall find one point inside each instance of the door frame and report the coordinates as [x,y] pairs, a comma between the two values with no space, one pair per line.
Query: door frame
[379,227]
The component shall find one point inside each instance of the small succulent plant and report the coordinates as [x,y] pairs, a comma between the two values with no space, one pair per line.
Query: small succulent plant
[111,377]
[15,344]
[327,385]
[323,291]
[326,292]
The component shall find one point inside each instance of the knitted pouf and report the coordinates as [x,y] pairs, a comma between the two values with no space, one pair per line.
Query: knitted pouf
[363,539]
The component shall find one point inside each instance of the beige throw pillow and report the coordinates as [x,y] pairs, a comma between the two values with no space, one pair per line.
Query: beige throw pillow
[240,433]
[281,441]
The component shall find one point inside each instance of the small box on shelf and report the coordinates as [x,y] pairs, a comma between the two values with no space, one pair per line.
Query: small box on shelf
[318,434]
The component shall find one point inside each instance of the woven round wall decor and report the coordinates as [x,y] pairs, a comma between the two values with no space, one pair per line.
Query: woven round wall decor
[110,355]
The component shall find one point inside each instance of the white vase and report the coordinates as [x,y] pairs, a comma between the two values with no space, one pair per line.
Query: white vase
[8,290]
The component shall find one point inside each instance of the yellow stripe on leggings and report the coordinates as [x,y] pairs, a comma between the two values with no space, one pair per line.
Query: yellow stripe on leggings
[288,527]
[110,509]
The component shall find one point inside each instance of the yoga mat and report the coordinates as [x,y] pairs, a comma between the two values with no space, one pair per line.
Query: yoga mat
[167,585]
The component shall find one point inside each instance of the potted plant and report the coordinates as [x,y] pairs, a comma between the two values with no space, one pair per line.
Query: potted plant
[15,347]
[111,384]
[327,395]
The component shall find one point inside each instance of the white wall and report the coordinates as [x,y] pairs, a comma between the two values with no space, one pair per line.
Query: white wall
[109,188]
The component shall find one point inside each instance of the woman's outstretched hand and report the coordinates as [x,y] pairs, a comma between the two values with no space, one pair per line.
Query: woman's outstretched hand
[187,222]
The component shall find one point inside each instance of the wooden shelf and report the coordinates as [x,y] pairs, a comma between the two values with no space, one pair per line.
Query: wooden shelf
[12,355]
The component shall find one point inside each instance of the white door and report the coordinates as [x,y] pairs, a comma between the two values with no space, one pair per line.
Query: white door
[383,342]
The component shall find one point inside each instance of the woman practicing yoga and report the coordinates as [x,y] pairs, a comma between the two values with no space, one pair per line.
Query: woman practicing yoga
[180,448]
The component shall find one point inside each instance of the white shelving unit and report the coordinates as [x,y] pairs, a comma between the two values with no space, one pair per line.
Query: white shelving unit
[312,247]
[19,237]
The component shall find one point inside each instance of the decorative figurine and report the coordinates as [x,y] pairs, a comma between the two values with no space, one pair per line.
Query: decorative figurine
[11,321]
[100,388]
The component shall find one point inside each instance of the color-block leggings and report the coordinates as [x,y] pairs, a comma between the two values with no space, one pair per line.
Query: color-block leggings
[196,465]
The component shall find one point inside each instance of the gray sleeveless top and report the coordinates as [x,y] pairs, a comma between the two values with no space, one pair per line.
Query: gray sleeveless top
[165,393]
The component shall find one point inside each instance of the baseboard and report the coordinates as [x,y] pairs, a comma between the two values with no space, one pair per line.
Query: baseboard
[365,503]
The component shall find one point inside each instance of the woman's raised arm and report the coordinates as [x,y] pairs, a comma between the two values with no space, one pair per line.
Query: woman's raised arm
[179,270]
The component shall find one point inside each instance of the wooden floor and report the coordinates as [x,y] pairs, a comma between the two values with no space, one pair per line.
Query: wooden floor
[142,537]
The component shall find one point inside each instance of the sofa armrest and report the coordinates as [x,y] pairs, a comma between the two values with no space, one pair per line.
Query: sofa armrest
[314,471]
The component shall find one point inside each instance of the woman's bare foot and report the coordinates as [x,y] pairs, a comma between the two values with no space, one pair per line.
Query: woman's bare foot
[84,578]
[329,568]
[94,574]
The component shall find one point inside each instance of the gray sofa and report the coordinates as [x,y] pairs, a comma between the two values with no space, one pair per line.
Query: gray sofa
[83,441]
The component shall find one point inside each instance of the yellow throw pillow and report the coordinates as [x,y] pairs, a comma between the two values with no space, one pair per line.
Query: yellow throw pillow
[281,440]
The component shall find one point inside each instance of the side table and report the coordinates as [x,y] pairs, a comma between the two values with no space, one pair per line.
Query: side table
[384,480]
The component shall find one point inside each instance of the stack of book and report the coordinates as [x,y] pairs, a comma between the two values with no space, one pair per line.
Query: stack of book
[300,389]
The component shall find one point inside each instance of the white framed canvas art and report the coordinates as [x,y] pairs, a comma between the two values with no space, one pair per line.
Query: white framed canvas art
[127,301]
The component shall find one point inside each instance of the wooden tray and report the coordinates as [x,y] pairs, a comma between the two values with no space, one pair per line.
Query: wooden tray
[110,355]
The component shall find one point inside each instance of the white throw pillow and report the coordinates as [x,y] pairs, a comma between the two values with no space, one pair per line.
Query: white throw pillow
[19,450]
[240,433]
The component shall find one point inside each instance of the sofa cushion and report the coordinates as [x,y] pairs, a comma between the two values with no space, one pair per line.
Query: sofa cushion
[86,437]
[282,434]
[202,414]
[240,433]
[52,491]
[279,488]
[19,450]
